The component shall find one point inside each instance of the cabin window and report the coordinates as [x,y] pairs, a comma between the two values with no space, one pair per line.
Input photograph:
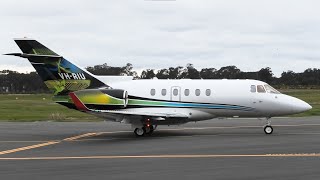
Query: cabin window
[253,88]
[163,92]
[197,92]
[153,92]
[175,92]
[260,89]
[186,92]
[208,92]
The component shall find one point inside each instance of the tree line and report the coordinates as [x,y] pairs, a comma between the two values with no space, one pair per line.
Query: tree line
[15,82]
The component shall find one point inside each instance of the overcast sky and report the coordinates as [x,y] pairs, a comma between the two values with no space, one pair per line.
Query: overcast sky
[251,34]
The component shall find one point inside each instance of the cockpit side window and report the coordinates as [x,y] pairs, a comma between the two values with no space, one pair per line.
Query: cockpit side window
[270,89]
[253,88]
[260,89]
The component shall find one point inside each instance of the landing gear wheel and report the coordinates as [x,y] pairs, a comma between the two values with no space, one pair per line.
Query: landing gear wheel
[268,129]
[139,132]
[149,129]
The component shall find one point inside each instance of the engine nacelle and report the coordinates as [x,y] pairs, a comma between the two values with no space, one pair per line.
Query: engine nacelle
[103,99]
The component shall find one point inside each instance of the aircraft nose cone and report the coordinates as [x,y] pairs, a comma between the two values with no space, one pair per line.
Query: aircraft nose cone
[306,107]
[300,106]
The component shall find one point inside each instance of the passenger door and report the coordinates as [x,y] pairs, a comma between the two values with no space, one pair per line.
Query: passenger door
[175,93]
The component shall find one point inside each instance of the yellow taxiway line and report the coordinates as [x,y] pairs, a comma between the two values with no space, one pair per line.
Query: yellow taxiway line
[47,143]
[176,156]
[80,136]
[28,147]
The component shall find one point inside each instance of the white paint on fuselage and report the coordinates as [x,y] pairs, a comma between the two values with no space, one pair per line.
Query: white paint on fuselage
[233,92]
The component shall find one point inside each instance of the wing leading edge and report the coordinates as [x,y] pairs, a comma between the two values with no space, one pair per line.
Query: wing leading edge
[82,107]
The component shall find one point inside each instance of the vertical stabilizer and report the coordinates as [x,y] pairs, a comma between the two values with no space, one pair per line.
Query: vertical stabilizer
[60,75]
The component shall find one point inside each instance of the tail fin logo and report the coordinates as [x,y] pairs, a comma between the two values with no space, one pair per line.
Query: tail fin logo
[75,76]
[60,75]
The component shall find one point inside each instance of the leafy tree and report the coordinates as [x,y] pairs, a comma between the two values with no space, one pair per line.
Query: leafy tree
[229,72]
[265,74]
[190,73]
[175,73]
[289,78]
[148,74]
[311,77]
[208,73]
[106,70]
[163,74]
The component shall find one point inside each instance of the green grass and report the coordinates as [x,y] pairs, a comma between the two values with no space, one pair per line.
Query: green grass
[40,107]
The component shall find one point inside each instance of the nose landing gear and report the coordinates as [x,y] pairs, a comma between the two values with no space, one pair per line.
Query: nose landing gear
[268,128]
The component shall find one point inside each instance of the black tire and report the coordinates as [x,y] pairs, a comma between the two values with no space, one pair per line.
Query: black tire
[268,129]
[139,132]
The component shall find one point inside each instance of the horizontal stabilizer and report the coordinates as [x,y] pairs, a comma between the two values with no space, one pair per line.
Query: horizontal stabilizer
[31,46]
[23,55]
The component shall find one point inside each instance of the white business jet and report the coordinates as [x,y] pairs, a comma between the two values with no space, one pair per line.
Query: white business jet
[145,104]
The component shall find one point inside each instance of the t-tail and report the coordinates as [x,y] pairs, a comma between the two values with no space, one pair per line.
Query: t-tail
[60,75]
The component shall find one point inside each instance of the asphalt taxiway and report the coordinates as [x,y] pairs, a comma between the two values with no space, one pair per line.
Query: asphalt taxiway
[215,149]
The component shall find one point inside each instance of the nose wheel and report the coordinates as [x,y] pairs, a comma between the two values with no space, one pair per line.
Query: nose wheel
[268,128]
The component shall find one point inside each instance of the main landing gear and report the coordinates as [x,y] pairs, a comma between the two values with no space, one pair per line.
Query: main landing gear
[146,129]
[268,128]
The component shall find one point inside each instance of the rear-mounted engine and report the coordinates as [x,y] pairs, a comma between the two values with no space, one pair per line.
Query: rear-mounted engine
[103,99]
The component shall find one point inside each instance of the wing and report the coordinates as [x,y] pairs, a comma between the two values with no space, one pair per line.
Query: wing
[142,113]
[82,107]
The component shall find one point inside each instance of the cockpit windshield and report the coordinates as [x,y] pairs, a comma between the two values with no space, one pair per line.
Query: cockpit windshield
[263,89]
[270,89]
